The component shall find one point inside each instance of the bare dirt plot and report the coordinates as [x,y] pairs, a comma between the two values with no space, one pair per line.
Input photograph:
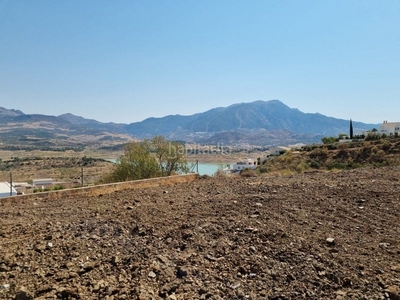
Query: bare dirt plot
[309,236]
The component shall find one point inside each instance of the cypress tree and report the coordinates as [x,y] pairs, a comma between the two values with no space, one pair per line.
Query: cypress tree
[351,129]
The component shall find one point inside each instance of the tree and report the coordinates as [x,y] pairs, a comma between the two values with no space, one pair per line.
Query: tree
[171,156]
[351,129]
[329,140]
[372,135]
[149,159]
[137,162]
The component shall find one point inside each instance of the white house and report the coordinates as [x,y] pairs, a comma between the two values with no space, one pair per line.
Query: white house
[389,128]
[42,181]
[244,164]
[6,190]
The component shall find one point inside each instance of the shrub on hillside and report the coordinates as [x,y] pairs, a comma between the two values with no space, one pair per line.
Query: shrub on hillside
[315,164]
[331,147]
[337,165]
[320,153]
[386,146]
[302,166]
[378,156]
[248,173]
[220,173]
[262,169]
[343,145]
[342,155]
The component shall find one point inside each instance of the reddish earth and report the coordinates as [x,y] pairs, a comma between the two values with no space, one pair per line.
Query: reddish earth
[308,236]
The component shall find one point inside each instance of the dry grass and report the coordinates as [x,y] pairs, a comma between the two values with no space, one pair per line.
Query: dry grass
[65,170]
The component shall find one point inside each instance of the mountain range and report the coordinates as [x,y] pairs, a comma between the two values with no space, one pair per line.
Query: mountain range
[257,123]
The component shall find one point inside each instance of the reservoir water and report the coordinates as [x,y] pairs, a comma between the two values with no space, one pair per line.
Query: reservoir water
[203,168]
[207,169]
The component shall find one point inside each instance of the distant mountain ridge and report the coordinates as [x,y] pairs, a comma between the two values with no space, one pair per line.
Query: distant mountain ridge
[270,115]
[90,123]
[259,122]
[10,112]
[36,131]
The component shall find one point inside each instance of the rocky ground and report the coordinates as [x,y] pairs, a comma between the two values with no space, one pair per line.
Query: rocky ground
[308,236]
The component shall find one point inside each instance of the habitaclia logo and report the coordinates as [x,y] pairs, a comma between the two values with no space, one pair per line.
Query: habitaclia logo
[175,150]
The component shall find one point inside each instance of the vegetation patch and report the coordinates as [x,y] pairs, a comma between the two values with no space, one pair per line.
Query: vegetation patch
[341,156]
[149,159]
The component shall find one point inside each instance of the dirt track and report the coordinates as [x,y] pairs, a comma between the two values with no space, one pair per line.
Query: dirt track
[214,238]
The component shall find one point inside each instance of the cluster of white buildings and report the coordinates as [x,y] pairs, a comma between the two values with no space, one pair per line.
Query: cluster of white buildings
[252,164]
[17,188]
[389,128]
[386,128]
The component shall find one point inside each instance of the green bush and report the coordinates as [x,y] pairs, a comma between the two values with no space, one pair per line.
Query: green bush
[332,147]
[58,187]
[337,165]
[315,164]
[321,153]
[372,136]
[41,190]
[342,154]
[262,169]
[329,140]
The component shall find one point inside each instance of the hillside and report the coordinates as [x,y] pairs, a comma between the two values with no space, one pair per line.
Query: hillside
[43,132]
[378,153]
[308,236]
[89,123]
[64,170]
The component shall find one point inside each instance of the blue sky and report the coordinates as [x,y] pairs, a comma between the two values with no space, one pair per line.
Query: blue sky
[124,61]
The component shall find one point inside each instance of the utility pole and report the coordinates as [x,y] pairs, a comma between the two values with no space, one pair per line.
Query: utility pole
[82,176]
[11,183]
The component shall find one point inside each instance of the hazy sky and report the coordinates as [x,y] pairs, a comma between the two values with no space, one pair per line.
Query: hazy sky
[124,61]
